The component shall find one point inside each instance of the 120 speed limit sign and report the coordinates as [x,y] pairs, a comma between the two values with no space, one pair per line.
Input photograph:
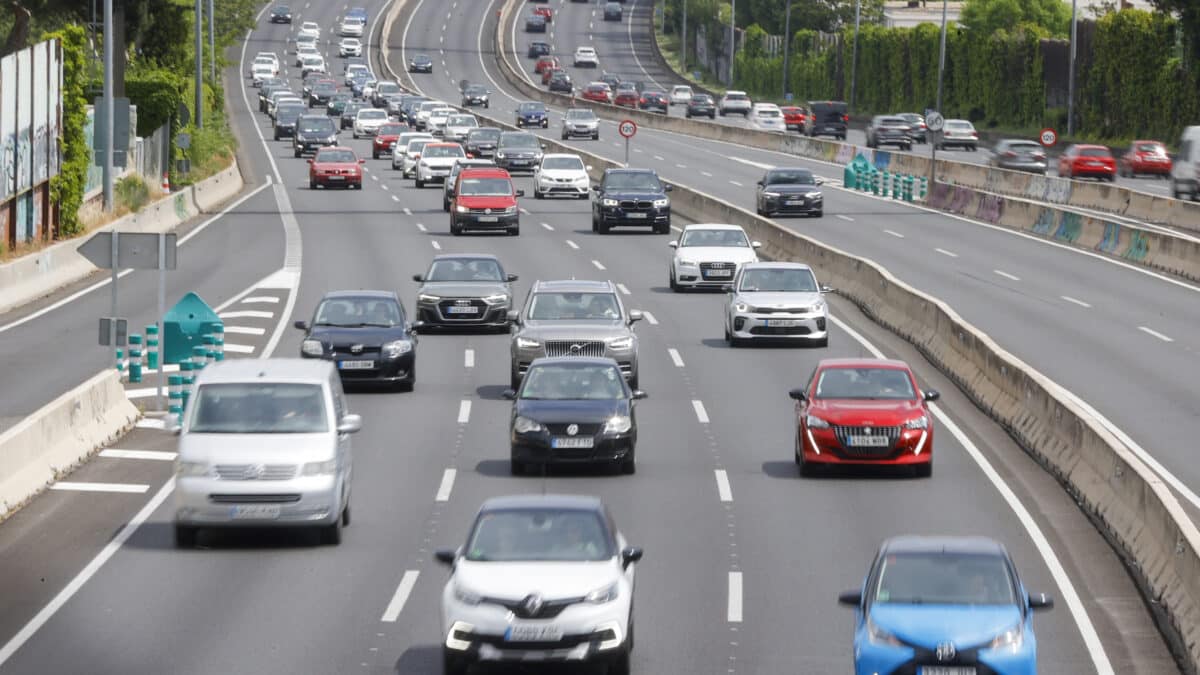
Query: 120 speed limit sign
[1048,137]
[627,128]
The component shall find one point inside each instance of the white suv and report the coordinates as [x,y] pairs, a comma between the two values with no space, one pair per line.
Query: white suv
[708,255]
[586,56]
[735,102]
[680,95]
[310,29]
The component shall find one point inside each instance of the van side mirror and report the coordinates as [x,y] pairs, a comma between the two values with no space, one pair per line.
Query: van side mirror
[797,394]
[673,244]
[512,277]
[302,325]
[350,424]
[445,556]
[520,193]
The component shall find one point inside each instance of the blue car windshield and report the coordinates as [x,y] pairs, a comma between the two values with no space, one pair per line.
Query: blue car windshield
[939,578]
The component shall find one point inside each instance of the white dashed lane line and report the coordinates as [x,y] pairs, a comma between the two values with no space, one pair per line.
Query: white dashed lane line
[1006,275]
[1151,331]
[421,227]
[436,245]
[706,174]
[400,596]
[116,453]
[469,358]
[845,218]
[675,357]
[464,412]
[395,198]
[447,484]
[650,318]
[1073,301]
[701,413]
[944,252]
[894,234]
[548,226]
[734,613]
[621,287]
[244,330]
[572,244]
[723,489]
[734,182]
[598,265]
[659,158]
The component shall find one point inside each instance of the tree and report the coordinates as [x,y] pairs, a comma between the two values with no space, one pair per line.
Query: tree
[28,15]
[986,17]
[1189,19]
[819,15]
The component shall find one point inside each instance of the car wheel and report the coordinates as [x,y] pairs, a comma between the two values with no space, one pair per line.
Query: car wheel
[728,337]
[346,515]
[546,124]
[446,205]
[355,134]
[455,227]
[537,194]
[514,380]
[595,225]
[923,470]
[331,535]
[819,214]
[185,536]
[451,664]
[602,227]
[312,185]
[671,281]
[419,183]
[596,136]
[564,136]
[374,155]
[620,664]
[629,466]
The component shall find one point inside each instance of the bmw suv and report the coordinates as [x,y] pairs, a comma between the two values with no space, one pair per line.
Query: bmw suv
[574,318]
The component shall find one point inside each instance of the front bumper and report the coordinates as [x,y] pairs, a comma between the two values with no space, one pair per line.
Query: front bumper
[432,174]
[366,131]
[877,659]
[574,189]
[616,215]
[591,633]
[481,221]
[481,150]
[399,369]
[485,316]
[779,326]
[533,122]
[536,447]
[304,500]
[571,131]
[913,447]
[794,204]
[516,163]
[427,68]
[285,130]
[304,147]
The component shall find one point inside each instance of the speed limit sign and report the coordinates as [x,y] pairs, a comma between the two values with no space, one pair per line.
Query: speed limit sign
[1048,137]
[627,128]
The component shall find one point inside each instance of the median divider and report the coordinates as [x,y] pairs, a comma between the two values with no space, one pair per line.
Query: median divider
[59,436]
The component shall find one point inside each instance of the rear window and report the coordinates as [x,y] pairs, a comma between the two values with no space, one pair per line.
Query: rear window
[339,156]
[443,151]
[1151,147]
[958,125]
[1095,152]
[893,122]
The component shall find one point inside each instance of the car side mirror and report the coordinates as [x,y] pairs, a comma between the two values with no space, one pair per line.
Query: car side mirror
[520,193]
[512,277]
[827,289]
[932,395]
[302,325]
[349,424]
[759,183]
[1039,601]
[756,244]
[509,394]
[416,327]
[668,188]
[673,244]
[630,555]
[595,188]
[638,394]
[175,428]
[797,394]
[446,556]
[418,277]
[543,146]
[850,598]
[514,316]
[635,315]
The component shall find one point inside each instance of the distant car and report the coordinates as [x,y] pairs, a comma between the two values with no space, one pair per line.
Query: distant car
[368,121]
[681,94]
[959,134]
[538,49]
[518,151]
[561,175]
[286,119]
[436,124]
[1087,161]
[776,301]
[627,95]
[795,118]
[944,605]
[337,101]
[612,11]
[701,105]
[829,118]
[458,126]
[653,100]
[709,255]
[767,117]
[888,130]
[464,290]
[335,166]
[421,63]
[611,80]
[350,112]
[310,29]
[598,92]
[485,199]
[1145,158]
[1185,169]
[735,102]
[544,12]
[545,62]
[633,197]
[561,82]
[366,334]
[917,129]
[448,186]
[410,153]
[535,24]
[586,56]
[387,135]
[436,160]
[400,147]
[580,122]
[790,191]
[350,46]
[548,73]
[259,72]
[312,64]
[321,92]
[313,132]
[281,14]
[383,90]
[1019,155]
[482,142]
[531,114]
[475,94]
[352,27]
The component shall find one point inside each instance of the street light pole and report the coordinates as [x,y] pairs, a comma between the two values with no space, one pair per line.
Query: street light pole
[1071,75]
[787,37]
[854,62]
[732,37]
[107,131]
[942,57]
[683,53]
[212,46]
[199,102]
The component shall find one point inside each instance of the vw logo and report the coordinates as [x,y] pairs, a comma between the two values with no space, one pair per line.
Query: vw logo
[572,429]
[487,210]
[356,349]
[945,652]
[532,604]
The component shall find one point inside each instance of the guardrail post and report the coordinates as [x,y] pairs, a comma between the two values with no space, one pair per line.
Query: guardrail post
[897,186]
[152,346]
[135,358]
[875,180]
[199,357]
[924,187]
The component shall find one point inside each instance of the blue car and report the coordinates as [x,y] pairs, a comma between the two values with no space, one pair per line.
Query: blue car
[360,12]
[944,606]
[532,114]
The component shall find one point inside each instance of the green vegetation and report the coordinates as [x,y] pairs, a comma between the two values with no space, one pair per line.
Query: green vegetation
[987,17]
[66,189]
[132,193]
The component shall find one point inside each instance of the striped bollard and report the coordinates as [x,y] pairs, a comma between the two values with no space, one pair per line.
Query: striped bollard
[218,335]
[121,362]
[175,396]
[210,348]
[924,187]
[152,346]
[199,357]
[135,358]
[185,390]
[875,181]
[897,186]
[908,187]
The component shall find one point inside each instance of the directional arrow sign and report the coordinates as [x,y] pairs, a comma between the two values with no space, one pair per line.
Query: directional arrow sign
[135,250]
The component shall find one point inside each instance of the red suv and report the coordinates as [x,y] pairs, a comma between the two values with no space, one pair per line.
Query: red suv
[1087,161]
[335,166]
[863,411]
[387,134]
[546,62]
[627,97]
[484,199]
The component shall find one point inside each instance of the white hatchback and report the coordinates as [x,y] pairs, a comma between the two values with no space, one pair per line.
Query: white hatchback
[561,175]
[708,255]
[310,29]
[587,56]
[680,95]
[368,121]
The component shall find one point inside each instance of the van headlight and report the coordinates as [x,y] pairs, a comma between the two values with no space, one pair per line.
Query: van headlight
[192,469]
[396,348]
[326,468]
[508,210]
[461,209]
[524,425]
[312,348]
[618,424]
[605,594]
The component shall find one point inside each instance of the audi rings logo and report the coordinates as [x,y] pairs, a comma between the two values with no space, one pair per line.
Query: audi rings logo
[572,429]
[462,302]
[532,604]
[945,652]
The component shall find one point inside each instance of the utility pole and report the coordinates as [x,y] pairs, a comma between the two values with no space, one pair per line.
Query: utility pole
[942,57]
[107,131]
[212,46]
[732,37]
[199,112]
[1071,75]
[683,53]
[787,37]
[854,58]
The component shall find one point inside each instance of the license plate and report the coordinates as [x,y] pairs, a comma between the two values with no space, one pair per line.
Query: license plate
[255,511]
[488,219]
[868,441]
[635,215]
[356,365]
[947,670]
[783,323]
[720,273]
[523,632]
[462,310]
[571,442]
[337,178]
[795,202]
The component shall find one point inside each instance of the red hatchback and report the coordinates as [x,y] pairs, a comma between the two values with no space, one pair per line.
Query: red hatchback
[1087,161]
[335,166]
[863,411]
[794,117]
[544,11]
[1145,157]
[598,92]
[627,97]
[387,134]
[544,63]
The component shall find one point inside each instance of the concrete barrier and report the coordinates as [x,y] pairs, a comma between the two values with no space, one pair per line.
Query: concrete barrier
[60,435]
[38,274]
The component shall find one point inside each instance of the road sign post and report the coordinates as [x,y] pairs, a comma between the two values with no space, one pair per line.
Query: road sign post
[934,123]
[627,129]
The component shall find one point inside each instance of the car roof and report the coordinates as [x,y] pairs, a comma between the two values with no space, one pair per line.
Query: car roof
[1089,146]
[862,363]
[713,226]
[615,171]
[734,92]
[562,154]
[774,265]
[943,544]
[552,501]
[267,370]
[460,256]
[573,286]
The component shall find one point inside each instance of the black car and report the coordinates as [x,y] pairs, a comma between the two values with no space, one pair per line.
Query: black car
[612,11]
[701,105]
[408,111]
[889,130]
[421,63]
[482,141]
[535,23]
[631,197]
[465,291]
[531,114]
[829,118]
[366,334]
[350,112]
[321,93]
[560,81]
[475,94]
[653,100]
[264,94]
[537,49]
[314,132]
[286,118]
[518,151]
[611,80]
[281,14]
[573,410]
[310,80]
[790,191]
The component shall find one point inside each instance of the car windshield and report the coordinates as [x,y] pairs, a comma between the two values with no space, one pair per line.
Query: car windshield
[632,181]
[595,89]
[938,578]
[485,187]
[324,87]
[737,97]
[352,108]
[476,90]
[519,140]
[778,280]
[387,88]
[338,156]
[421,58]
[563,163]
[573,382]
[529,535]
[1152,148]
[417,145]
[372,114]
[442,151]
[583,114]
[627,87]
[312,60]
[358,312]
[317,126]
[794,177]
[574,306]
[701,98]
[1094,152]
[464,269]
[484,135]
[694,237]
[461,121]
[259,408]
[532,107]
[864,383]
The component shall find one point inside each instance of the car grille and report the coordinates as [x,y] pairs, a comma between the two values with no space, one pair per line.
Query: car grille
[574,348]
[782,310]
[480,312]
[488,212]
[255,471]
[843,432]
[706,269]
[584,430]
[780,330]
[498,641]
[288,498]
[636,204]
[347,350]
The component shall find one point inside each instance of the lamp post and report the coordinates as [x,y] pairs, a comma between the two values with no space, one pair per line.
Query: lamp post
[199,102]
[1071,75]
[854,58]
[212,46]
[942,57]
[107,131]
[683,53]
[787,38]
[732,37]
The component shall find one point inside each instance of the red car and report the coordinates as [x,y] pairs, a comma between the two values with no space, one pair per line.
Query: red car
[1146,157]
[387,134]
[545,62]
[335,166]
[484,199]
[544,11]
[863,411]
[795,117]
[627,97]
[1087,161]
[598,92]
[549,73]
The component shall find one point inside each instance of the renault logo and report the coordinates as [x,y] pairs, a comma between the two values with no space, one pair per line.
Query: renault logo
[356,349]
[945,652]
[532,604]
[572,429]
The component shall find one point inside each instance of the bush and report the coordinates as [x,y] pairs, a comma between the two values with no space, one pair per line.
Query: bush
[132,192]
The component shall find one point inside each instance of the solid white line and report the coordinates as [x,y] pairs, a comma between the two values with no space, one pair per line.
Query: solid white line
[572,244]
[443,492]
[547,226]
[734,613]
[1006,275]
[261,300]
[401,596]
[464,412]
[436,245]
[1074,301]
[659,158]
[848,219]
[676,228]
[115,453]
[144,392]
[650,318]
[247,314]
[239,349]
[734,182]
[100,487]
[675,357]
[943,251]
[469,358]
[701,413]
[1151,331]
[723,489]
[598,265]
[621,287]
[757,165]
[244,330]
[524,211]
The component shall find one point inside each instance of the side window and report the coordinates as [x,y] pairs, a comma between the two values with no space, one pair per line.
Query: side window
[812,383]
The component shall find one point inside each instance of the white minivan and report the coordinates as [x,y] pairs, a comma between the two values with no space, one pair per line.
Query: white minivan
[1185,171]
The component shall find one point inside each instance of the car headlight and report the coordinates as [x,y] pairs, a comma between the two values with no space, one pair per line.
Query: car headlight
[743,307]
[496,298]
[500,154]
[621,343]
[880,636]
[510,210]
[526,343]
[603,595]
[921,422]
[466,595]
[610,202]
[814,422]
[461,209]
[331,139]
[326,468]
[1012,638]
[312,348]
[661,203]
[771,194]
[618,424]
[524,425]
[813,195]
[690,263]
[191,469]
[396,348]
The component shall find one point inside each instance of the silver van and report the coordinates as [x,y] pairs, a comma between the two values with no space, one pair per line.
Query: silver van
[265,443]
[1185,171]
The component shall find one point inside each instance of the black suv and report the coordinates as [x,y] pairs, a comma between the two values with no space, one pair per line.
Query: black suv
[281,14]
[475,94]
[321,92]
[631,197]
[314,132]
[829,119]
[286,118]
[481,142]
[538,48]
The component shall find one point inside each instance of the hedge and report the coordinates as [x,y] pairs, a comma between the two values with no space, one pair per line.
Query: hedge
[66,189]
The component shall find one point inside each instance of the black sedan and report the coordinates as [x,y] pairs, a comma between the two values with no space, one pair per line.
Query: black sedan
[790,192]
[465,291]
[475,94]
[481,142]
[654,101]
[702,105]
[538,48]
[281,14]
[421,63]
[573,410]
[560,81]
[366,334]
[535,24]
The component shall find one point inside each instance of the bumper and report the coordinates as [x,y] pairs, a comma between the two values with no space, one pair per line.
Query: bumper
[307,500]
[605,449]
[434,174]
[338,181]
[797,327]
[478,221]
[793,205]
[491,316]
[304,147]
[480,151]
[872,659]
[586,132]
[894,140]
[564,189]
[615,215]
[915,447]
[366,131]
[533,122]
[516,163]
[399,369]
[959,142]
[1031,167]
[420,69]
[591,633]
[828,130]
[691,276]
[1163,169]
[1093,172]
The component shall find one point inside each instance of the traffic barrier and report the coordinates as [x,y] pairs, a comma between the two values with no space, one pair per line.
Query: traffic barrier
[152,346]
[135,358]
[175,396]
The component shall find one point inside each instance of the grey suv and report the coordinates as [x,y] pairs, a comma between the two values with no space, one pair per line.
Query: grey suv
[574,318]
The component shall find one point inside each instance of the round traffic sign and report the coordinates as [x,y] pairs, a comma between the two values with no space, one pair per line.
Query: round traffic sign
[1048,137]
[934,121]
[627,128]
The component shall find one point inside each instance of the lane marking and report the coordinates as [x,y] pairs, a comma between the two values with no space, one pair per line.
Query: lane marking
[650,318]
[750,162]
[706,174]
[464,412]
[677,228]
[851,220]
[244,330]
[680,166]
[421,227]
[407,211]
[436,245]
[598,265]
[701,413]
[943,251]
[1006,275]
[1074,301]
[621,287]
[895,234]
[247,314]
[115,453]
[548,226]
[239,349]
[1151,331]
[395,198]
[469,358]
[572,244]
[400,596]
[261,300]
[723,489]
[74,486]
[675,357]
[734,182]
[734,611]
[659,158]
[443,491]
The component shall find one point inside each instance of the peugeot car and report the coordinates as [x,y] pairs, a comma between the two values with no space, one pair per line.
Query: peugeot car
[709,255]
[465,290]
[367,336]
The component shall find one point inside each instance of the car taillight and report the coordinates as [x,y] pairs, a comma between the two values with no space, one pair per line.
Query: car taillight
[846,119]
[1039,155]
[974,134]
[1010,153]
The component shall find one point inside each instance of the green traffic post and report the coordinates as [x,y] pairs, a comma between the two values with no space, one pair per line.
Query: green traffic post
[875,181]
[210,348]
[186,369]
[219,347]
[908,187]
[897,187]
[199,357]
[135,358]
[924,187]
[175,395]
[152,346]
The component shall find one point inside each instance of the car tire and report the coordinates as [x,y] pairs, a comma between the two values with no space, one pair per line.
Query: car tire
[374,155]
[312,185]
[446,205]
[602,227]
[537,194]
[331,535]
[671,281]
[629,466]
[185,536]
[564,136]
[455,227]
[620,665]
[665,228]
[819,214]
[596,224]
[451,664]
[596,136]
[346,515]
[546,124]
[420,184]
[296,153]
[923,470]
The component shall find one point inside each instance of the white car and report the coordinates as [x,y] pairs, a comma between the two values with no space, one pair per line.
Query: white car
[411,155]
[314,63]
[767,117]
[550,571]
[261,71]
[423,111]
[561,174]
[680,95]
[350,46]
[267,55]
[306,51]
[436,123]
[777,301]
[353,70]
[368,121]
[400,146]
[586,56]
[458,126]
[736,102]
[708,255]
[436,162]
[309,29]
[352,27]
